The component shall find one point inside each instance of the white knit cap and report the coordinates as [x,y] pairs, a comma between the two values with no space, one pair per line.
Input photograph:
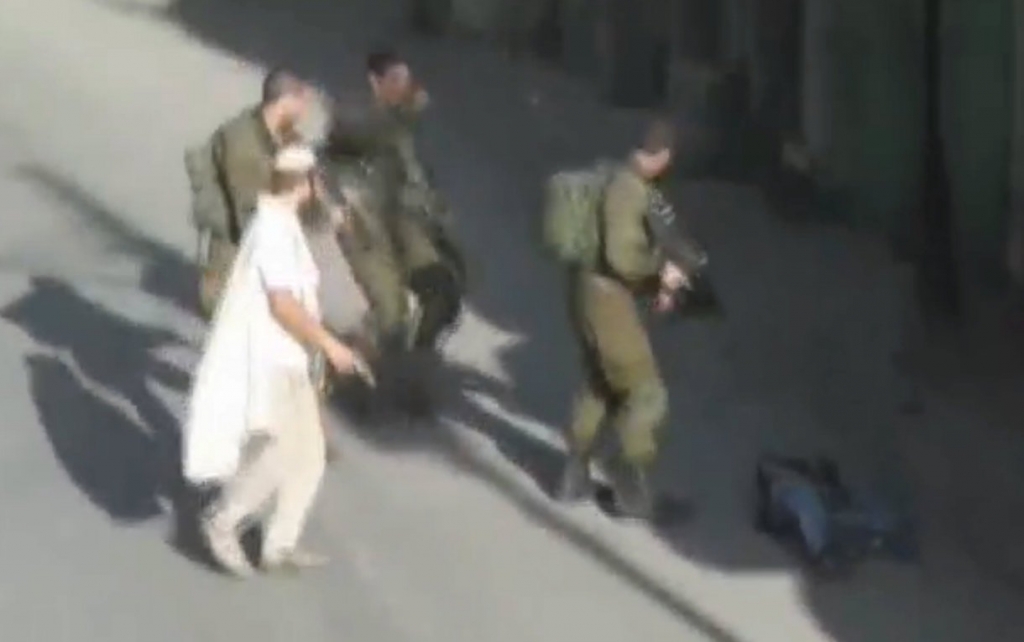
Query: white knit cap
[297,159]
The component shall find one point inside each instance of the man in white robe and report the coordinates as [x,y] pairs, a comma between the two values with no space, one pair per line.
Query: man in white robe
[254,381]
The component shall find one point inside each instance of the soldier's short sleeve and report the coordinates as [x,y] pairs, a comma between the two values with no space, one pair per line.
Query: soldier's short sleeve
[409,115]
[415,173]
[355,129]
[629,252]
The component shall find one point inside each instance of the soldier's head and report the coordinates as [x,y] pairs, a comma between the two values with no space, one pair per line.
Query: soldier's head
[286,98]
[654,155]
[389,76]
[291,179]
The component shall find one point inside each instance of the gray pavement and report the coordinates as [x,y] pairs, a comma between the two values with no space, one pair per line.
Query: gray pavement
[445,534]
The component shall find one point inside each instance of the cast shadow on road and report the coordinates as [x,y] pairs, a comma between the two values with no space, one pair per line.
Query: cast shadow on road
[541,464]
[166,274]
[122,454]
[125,458]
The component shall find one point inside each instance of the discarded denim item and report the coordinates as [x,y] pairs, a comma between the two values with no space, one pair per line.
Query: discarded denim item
[807,503]
[806,506]
[871,526]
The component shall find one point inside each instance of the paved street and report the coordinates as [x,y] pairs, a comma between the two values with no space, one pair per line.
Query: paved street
[444,534]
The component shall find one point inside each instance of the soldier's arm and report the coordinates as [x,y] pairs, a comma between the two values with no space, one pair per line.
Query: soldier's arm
[415,173]
[628,249]
[244,175]
[355,128]
[325,213]
[675,242]
[409,117]
[416,102]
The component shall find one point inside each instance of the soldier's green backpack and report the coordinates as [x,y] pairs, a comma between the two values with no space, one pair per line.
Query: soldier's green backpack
[210,210]
[572,206]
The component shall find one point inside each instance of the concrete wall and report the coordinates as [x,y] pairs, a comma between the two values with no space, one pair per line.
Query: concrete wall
[977,124]
[818,79]
[874,107]
[854,91]
[863,113]
[1015,241]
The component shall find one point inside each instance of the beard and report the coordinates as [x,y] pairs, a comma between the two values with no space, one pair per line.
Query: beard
[288,123]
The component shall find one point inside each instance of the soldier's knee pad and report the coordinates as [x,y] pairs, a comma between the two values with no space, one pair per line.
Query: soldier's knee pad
[645,410]
[647,405]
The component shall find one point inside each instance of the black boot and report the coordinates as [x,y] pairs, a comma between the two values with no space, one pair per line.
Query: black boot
[576,484]
[633,496]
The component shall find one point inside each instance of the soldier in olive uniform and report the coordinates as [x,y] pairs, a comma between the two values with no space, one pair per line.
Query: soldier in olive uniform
[400,241]
[244,149]
[622,382]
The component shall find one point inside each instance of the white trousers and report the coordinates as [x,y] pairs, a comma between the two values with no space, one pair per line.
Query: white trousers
[286,469]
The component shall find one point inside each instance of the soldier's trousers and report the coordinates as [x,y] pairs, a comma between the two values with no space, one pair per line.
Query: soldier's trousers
[379,275]
[622,384]
[387,276]
[214,274]
[404,340]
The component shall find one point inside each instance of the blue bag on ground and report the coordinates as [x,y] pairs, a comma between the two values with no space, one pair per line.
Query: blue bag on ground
[806,504]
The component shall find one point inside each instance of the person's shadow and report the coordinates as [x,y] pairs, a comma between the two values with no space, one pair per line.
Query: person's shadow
[118,442]
[166,274]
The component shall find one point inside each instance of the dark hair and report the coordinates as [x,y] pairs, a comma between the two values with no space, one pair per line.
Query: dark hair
[659,136]
[380,61]
[280,83]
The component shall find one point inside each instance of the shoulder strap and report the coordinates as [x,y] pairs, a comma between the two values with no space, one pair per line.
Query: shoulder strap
[601,218]
[217,147]
[611,169]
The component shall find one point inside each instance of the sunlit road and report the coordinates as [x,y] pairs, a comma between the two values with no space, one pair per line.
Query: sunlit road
[95,348]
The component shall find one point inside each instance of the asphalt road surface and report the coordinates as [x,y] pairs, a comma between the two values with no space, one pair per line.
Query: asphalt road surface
[96,348]
[440,535]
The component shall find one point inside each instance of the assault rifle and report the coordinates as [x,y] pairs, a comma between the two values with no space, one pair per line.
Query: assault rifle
[680,246]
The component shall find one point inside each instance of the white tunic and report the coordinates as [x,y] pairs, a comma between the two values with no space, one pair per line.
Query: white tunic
[247,351]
